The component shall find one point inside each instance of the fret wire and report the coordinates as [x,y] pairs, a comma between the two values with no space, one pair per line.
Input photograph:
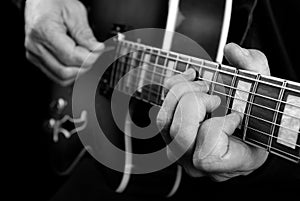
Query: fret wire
[123,53]
[164,75]
[146,79]
[119,75]
[233,81]
[130,47]
[290,157]
[235,88]
[119,70]
[266,97]
[258,118]
[285,87]
[281,93]
[160,74]
[152,73]
[212,86]
[264,133]
[254,89]
[131,66]
[114,67]
[294,157]
[260,95]
[261,132]
[262,144]
[141,63]
[226,72]
[138,63]
[186,64]
[161,79]
[124,57]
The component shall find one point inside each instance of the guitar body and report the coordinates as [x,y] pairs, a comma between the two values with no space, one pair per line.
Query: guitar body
[199,20]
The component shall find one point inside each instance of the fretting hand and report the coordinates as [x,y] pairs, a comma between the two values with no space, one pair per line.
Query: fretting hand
[211,150]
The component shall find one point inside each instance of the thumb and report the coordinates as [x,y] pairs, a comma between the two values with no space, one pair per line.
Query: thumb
[248,59]
[79,29]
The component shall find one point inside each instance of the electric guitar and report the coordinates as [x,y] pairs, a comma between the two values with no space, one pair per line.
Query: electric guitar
[270,106]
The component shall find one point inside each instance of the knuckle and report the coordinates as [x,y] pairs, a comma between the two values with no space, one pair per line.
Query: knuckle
[36,29]
[168,82]
[161,119]
[73,57]
[206,125]
[83,33]
[174,129]
[63,74]
[27,43]
[190,97]
[205,164]
[70,58]
[198,163]
[176,90]
[28,56]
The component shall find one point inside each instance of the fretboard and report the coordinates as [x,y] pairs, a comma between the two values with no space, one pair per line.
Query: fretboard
[270,106]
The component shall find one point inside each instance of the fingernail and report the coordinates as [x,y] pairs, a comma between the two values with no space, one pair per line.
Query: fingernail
[99,46]
[190,71]
[203,84]
[237,116]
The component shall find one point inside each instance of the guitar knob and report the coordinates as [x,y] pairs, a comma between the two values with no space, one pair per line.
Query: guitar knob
[51,123]
[61,104]
[58,105]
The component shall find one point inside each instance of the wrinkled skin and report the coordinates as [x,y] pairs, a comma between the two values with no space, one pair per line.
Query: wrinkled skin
[211,149]
[58,38]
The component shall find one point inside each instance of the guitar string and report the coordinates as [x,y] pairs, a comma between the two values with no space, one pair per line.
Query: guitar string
[163,75]
[225,85]
[265,134]
[137,78]
[226,95]
[179,72]
[261,132]
[188,61]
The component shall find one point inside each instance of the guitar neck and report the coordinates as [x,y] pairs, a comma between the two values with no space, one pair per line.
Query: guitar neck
[270,106]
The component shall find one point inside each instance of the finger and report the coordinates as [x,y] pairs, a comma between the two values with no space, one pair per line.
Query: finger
[231,122]
[248,59]
[166,112]
[217,151]
[50,65]
[66,51]
[214,132]
[212,141]
[77,23]
[190,111]
[241,157]
[188,75]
